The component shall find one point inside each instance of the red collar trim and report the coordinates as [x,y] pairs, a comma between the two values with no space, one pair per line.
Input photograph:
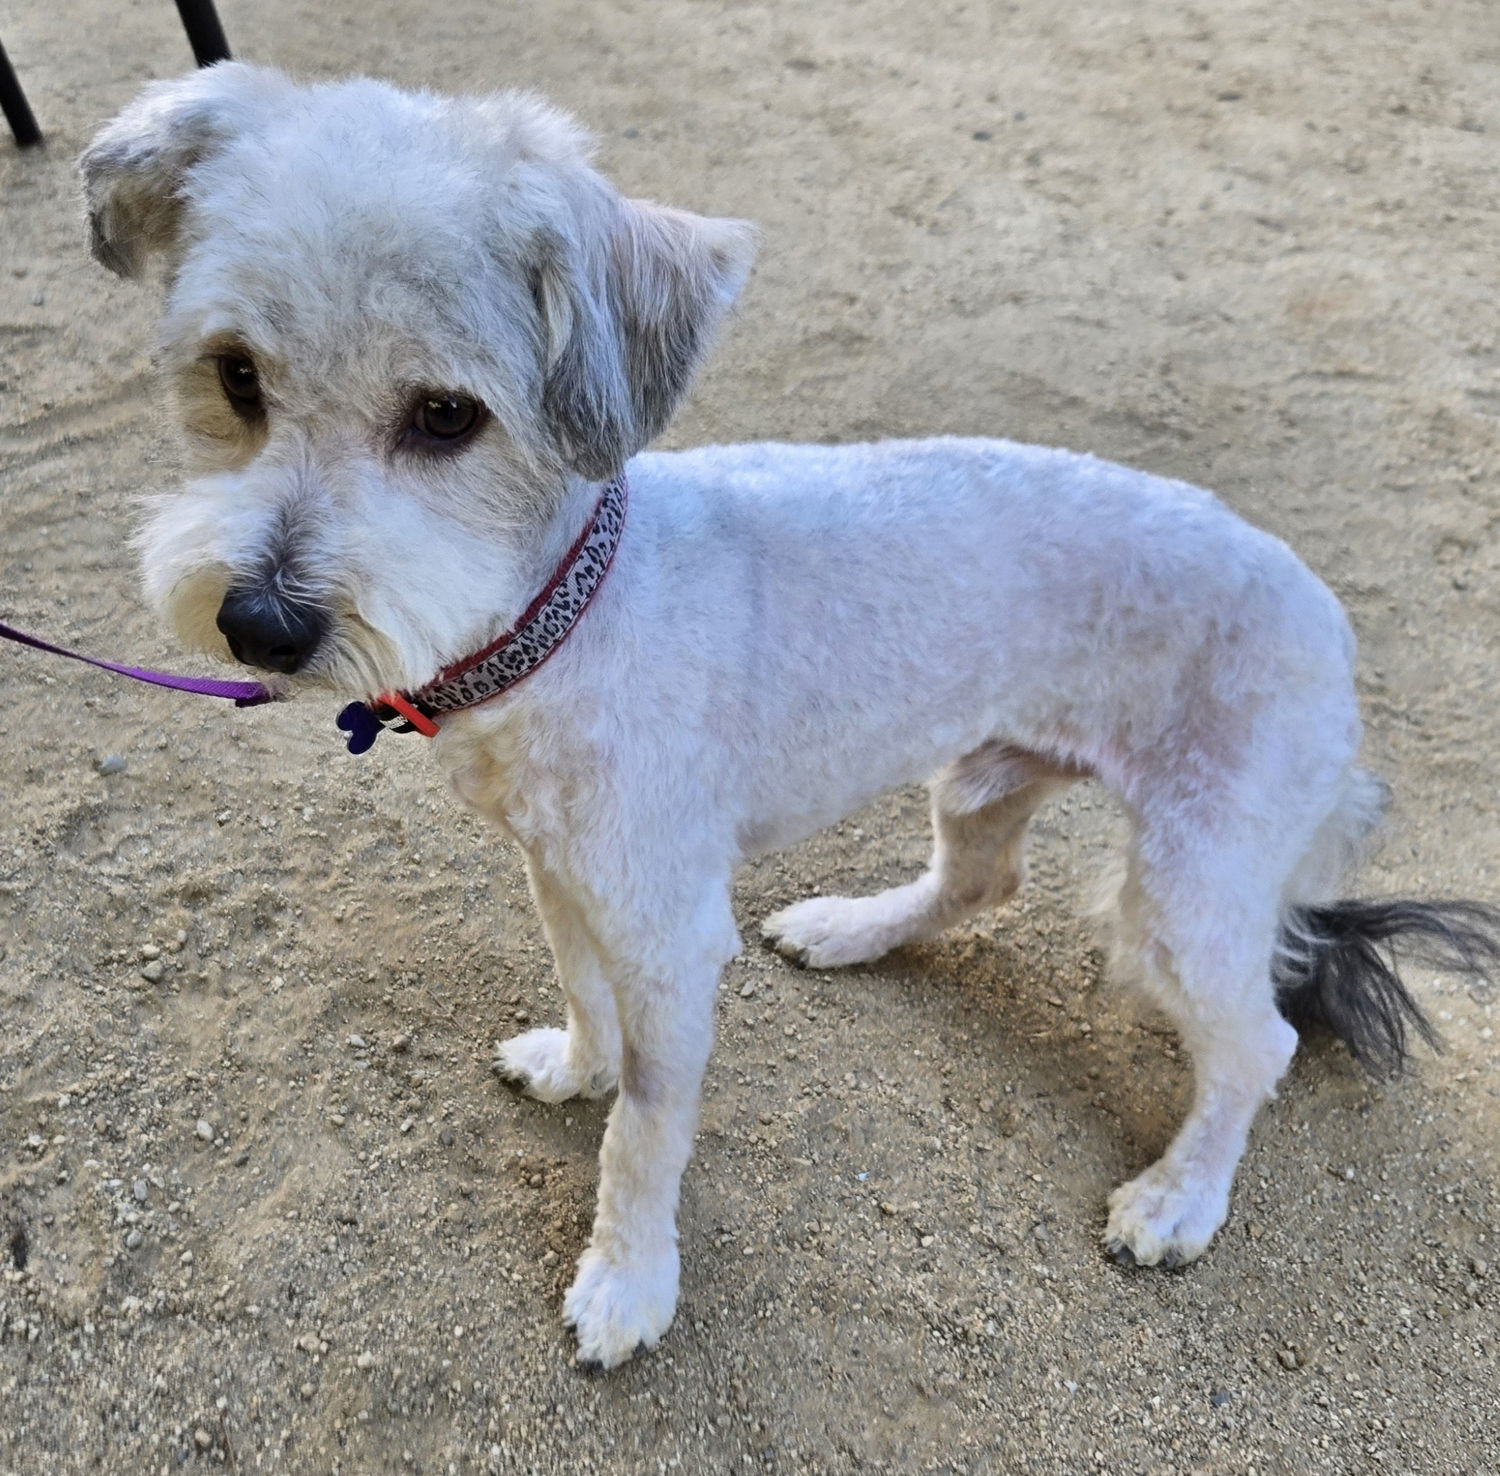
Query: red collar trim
[543,626]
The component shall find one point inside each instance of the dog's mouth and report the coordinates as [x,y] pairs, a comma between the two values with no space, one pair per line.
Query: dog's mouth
[352,659]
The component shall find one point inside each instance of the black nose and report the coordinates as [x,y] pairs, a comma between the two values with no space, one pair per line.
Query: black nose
[268,632]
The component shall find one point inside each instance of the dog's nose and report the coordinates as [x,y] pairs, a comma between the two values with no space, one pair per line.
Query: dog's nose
[273,634]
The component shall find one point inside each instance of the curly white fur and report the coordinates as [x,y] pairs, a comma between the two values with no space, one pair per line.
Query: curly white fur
[787,630]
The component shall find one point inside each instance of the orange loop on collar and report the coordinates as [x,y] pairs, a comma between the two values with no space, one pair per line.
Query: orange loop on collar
[419,720]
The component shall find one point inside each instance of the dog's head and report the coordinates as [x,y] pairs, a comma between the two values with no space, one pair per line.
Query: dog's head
[399,329]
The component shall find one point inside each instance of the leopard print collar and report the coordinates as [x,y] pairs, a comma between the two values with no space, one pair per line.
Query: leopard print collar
[514,656]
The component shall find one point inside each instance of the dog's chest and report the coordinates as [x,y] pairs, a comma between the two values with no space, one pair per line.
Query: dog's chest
[511,774]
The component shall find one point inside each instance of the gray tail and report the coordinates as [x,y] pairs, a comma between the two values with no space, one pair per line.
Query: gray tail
[1337,967]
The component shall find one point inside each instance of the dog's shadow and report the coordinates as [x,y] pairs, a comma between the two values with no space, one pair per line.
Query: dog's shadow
[1034,1043]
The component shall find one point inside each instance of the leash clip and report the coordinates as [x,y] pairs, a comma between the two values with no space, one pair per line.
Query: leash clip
[414,716]
[365,721]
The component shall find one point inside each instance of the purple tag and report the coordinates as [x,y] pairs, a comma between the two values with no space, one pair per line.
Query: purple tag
[362,726]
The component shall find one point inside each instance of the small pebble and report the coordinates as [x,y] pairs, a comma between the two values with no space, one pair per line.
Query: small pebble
[202,1439]
[358,1043]
[139,1189]
[365,1360]
[401,1043]
[153,971]
[133,1240]
[205,1130]
[1287,1357]
[113,763]
[150,951]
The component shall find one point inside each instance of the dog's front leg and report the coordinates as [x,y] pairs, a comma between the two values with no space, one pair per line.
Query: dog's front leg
[583,1060]
[626,1289]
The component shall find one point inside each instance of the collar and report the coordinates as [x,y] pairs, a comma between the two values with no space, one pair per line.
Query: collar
[488,673]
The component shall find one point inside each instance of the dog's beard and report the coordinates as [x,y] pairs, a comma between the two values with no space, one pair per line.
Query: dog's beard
[357,660]
[191,607]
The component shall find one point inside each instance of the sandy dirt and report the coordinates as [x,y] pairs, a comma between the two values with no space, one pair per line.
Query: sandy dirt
[263,1206]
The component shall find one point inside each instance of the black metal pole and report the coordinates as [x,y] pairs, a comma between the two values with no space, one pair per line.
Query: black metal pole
[17,110]
[205,34]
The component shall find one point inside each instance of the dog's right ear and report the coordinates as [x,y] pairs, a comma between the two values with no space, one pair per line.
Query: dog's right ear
[629,300]
[135,169]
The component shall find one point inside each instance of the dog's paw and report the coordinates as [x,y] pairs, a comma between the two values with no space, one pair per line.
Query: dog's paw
[537,1063]
[1163,1218]
[830,932]
[616,1308]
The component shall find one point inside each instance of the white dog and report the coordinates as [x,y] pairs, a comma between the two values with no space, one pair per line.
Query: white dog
[415,343]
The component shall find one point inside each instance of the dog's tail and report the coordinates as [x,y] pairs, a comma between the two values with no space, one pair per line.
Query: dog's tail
[1337,963]
[1337,966]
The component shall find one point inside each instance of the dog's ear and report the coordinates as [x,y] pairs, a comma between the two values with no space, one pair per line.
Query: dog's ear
[629,303]
[135,169]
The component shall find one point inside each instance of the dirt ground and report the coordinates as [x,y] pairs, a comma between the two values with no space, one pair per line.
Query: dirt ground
[263,1206]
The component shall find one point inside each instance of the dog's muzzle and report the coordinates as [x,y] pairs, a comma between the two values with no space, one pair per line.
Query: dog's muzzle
[273,634]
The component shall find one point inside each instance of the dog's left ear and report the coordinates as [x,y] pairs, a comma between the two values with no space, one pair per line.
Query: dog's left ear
[629,303]
[135,171]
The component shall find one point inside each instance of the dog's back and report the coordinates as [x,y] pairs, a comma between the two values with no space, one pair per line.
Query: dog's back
[971,590]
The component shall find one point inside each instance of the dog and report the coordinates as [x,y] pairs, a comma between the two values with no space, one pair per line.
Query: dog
[418,345]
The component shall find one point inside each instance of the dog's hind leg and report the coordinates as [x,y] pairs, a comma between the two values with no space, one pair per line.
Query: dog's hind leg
[981,807]
[583,1060]
[1197,929]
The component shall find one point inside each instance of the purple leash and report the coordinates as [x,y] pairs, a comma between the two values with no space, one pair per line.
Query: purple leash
[242,694]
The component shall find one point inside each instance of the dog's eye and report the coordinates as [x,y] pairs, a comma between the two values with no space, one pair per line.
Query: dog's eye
[445,417]
[241,381]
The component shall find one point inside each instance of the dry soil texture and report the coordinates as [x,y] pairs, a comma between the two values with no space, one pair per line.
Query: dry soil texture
[265,1209]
